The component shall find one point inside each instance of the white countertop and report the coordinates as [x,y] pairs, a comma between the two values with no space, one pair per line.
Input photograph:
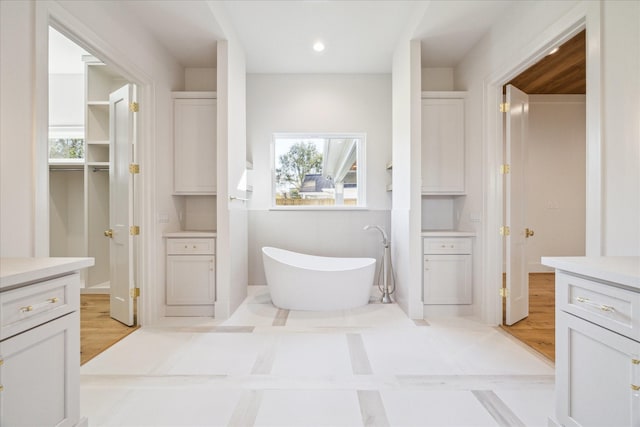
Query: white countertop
[189,234]
[447,233]
[624,270]
[15,271]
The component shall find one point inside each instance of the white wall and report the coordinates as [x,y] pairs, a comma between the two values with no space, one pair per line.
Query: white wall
[437,79]
[621,132]
[555,171]
[17,33]
[66,99]
[406,218]
[317,103]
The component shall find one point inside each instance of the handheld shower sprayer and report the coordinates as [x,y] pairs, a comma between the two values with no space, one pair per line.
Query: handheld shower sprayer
[386,261]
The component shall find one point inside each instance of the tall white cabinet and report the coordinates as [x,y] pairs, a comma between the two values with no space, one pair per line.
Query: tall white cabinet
[443,147]
[194,121]
[79,188]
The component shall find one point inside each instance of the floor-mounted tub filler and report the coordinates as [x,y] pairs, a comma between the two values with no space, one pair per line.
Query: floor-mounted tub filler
[388,286]
[307,282]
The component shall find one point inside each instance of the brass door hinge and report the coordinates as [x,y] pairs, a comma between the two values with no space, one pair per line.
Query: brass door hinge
[505,169]
[134,230]
[134,107]
[504,292]
[134,168]
[505,231]
[134,292]
[504,107]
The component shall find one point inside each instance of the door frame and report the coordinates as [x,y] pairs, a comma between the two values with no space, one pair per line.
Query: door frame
[584,15]
[49,13]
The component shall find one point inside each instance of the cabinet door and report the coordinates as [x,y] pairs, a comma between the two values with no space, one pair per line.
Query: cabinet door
[40,375]
[595,372]
[443,146]
[191,280]
[195,146]
[447,279]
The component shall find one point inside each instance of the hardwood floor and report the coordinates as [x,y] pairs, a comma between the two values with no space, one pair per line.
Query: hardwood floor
[98,331]
[538,329]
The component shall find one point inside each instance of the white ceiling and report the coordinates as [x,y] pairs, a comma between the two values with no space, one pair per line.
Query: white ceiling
[360,35]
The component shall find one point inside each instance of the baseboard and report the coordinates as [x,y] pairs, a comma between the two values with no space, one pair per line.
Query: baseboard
[189,311]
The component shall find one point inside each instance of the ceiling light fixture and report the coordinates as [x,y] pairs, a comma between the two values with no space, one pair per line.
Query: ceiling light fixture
[318,46]
[554,50]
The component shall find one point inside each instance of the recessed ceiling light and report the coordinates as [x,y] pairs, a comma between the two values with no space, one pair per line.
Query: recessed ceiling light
[554,50]
[318,46]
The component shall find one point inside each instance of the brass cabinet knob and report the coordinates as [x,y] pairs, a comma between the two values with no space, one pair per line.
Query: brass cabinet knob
[108,233]
[528,232]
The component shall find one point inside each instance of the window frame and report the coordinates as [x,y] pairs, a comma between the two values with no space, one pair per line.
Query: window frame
[360,173]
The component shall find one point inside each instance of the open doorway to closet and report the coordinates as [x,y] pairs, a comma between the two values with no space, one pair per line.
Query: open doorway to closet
[544,187]
[91,147]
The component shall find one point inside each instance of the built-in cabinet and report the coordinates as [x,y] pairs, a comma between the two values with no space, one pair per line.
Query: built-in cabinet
[597,341]
[443,147]
[79,187]
[191,273]
[40,343]
[447,268]
[195,164]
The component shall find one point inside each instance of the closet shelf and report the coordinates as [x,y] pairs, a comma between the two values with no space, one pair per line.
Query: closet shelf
[98,142]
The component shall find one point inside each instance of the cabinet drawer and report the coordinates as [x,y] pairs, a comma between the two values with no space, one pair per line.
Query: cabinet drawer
[451,245]
[32,305]
[191,246]
[601,303]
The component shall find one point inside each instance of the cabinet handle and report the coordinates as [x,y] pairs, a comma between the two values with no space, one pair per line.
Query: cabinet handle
[602,307]
[194,246]
[1,388]
[635,387]
[28,308]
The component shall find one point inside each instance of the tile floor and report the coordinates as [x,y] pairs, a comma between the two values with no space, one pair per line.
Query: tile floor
[370,366]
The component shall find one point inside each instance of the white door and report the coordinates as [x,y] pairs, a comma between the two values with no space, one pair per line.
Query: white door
[517,283]
[121,141]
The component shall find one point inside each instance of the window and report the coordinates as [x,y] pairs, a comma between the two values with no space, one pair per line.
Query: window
[66,144]
[318,170]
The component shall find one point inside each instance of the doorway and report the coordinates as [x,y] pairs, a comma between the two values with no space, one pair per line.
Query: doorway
[90,143]
[545,187]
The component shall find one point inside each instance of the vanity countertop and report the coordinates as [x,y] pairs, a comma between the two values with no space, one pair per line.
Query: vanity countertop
[186,234]
[624,270]
[447,233]
[17,271]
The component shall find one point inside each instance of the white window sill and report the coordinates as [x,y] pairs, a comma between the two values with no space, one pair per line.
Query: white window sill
[318,208]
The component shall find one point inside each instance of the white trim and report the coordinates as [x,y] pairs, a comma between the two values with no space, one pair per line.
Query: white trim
[585,14]
[51,13]
[194,94]
[448,94]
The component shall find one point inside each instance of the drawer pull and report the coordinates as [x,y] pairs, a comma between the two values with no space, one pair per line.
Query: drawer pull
[28,308]
[602,307]
[635,387]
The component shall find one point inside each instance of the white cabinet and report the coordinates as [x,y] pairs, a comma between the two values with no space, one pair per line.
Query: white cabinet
[40,354]
[191,276]
[194,121]
[597,352]
[447,270]
[443,148]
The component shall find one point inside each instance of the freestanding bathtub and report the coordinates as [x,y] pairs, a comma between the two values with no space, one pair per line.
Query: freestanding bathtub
[308,282]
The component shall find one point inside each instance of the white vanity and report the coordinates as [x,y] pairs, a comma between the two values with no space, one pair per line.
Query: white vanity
[597,340]
[40,341]
[191,273]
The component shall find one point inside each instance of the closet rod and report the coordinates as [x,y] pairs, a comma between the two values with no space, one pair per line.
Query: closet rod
[103,169]
[64,169]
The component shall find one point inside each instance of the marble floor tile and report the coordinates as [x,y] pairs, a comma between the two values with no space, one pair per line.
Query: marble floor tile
[434,408]
[309,408]
[368,366]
